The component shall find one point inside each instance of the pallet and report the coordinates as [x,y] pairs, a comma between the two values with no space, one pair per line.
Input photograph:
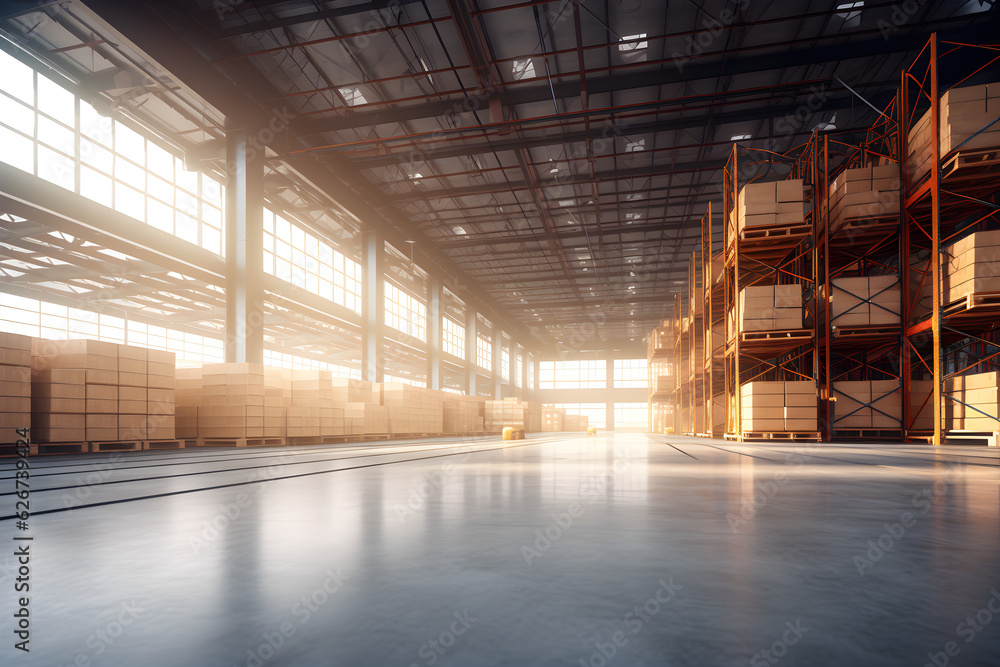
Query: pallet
[973,301]
[778,232]
[780,435]
[867,433]
[216,442]
[876,331]
[59,448]
[989,438]
[970,159]
[165,444]
[117,446]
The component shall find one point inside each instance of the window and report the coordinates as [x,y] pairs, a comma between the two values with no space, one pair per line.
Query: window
[453,337]
[484,352]
[286,360]
[633,42]
[585,374]
[852,19]
[42,319]
[405,313]
[352,96]
[518,370]
[505,365]
[102,159]
[597,413]
[303,259]
[531,373]
[405,380]
[631,373]
[523,69]
[635,146]
[631,415]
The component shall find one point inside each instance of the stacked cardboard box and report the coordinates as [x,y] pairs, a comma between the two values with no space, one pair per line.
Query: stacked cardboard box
[977,404]
[875,404]
[770,204]
[161,395]
[412,409]
[311,410]
[973,265]
[963,113]
[865,301]
[779,406]
[660,341]
[770,308]
[15,386]
[232,401]
[921,413]
[719,413]
[55,414]
[508,412]
[553,420]
[188,400]
[663,384]
[277,400]
[865,192]
[575,423]
[463,414]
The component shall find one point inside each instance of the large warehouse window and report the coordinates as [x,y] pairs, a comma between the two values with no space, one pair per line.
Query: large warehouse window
[531,373]
[505,364]
[630,373]
[596,412]
[453,337]
[484,352]
[405,380]
[103,159]
[631,415]
[587,374]
[40,319]
[405,312]
[286,360]
[300,258]
[518,369]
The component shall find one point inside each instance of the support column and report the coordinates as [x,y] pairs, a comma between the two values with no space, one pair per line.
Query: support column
[497,368]
[244,251]
[471,335]
[372,308]
[609,409]
[434,326]
[524,372]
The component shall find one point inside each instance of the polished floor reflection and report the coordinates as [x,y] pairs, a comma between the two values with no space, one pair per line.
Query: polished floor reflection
[623,549]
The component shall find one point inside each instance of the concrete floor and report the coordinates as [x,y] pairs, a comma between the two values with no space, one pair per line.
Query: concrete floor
[622,550]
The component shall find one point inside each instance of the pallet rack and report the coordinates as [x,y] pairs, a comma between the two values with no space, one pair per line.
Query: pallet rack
[662,379]
[695,347]
[776,255]
[714,323]
[956,197]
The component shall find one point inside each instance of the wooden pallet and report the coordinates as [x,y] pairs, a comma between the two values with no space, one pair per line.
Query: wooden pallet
[216,442]
[863,433]
[780,435]
[976,300]
[59,448]
[964,160]
[989,438]
[775,232]
[165,444]
[876,331]
[117,446]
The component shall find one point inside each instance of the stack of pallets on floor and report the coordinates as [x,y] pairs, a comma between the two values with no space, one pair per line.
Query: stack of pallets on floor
[413,410]
[15,390]
[463,414]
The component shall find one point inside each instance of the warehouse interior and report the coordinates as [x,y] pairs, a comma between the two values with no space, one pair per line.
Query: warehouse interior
[500,332]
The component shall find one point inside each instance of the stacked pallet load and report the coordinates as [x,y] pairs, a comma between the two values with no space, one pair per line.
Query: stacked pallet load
[463,414]
[762,205]
[553,420]
[769,308]
[660,340]
[413,410]
[865,301]
[972,266]
[863,405]
[311,406]
[576,423]
[963,113]
[864,193]
[532,416]
[15,388]
[188,401]
[277,400]
[144,399]
[779,407]
[232,403]
[921,400]
[91,368]
[972,403]
[499,414]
